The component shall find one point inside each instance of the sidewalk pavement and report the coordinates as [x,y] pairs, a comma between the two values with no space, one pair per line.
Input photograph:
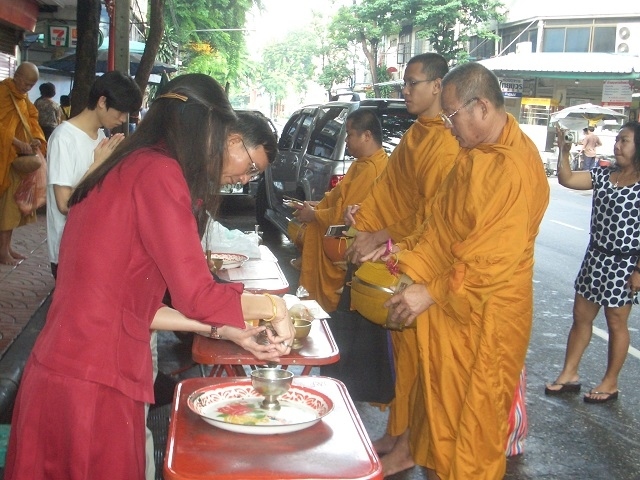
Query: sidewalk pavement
[23,290]
[24,287]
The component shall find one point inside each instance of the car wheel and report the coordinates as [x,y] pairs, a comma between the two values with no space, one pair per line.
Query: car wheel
[261,209]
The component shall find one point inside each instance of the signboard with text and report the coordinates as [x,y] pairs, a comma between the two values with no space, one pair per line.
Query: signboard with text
[58,36]
[616,93]
[511,87]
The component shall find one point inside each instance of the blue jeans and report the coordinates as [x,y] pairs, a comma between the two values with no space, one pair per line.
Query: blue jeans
[589,163]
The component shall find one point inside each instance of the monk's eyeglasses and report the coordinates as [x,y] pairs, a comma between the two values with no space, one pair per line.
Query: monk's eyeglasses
[253,172]
[412,83]
[447,118]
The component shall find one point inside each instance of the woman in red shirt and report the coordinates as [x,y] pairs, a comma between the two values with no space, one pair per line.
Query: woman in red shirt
[131,234]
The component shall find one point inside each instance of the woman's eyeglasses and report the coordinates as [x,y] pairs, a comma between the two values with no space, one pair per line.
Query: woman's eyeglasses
[253,172]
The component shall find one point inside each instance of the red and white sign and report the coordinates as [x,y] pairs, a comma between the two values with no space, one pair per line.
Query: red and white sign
[58,36]
[616,93]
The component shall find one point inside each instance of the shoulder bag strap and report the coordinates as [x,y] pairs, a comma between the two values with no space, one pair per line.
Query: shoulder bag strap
[25,125]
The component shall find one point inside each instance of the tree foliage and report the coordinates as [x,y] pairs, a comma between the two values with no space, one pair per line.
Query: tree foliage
[448,25]
[365,24]
[187,22]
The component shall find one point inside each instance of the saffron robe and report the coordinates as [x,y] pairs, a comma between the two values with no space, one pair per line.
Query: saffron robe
[476,259]
[11,127]
[399,202]
[319,275]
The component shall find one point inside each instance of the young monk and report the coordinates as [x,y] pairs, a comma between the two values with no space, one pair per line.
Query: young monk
[396,206]
[319,275]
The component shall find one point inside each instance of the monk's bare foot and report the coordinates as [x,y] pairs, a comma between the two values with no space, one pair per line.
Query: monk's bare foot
[397,460]
[8,260]
[16,255]
[384,444]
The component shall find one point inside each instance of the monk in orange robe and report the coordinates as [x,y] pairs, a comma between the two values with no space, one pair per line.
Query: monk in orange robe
[13,140]
[398,204]
[319,275]
[473,296]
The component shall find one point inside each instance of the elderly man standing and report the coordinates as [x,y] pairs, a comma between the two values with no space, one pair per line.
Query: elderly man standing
[13,140]
[473,291]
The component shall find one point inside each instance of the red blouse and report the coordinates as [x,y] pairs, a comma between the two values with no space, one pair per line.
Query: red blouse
[123,245]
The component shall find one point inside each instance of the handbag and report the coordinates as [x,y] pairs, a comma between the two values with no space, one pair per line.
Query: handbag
[335,243]
[26,163]
[371,286]
[31,193]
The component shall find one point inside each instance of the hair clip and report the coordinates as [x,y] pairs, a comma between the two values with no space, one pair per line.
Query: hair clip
[177,96]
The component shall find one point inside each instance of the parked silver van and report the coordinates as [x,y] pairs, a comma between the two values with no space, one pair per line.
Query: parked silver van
[312,156]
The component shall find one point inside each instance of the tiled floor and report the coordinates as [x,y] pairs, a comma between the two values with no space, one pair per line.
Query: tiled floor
[25,286]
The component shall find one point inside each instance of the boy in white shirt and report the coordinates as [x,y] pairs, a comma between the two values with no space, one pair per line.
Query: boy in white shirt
[79,145]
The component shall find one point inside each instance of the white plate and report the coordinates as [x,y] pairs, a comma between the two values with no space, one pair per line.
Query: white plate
[236,407]
[230,260]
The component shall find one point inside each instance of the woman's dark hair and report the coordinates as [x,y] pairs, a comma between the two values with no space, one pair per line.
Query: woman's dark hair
[65,101]
[48,90]
[189,120]
[255,131]
[635,128]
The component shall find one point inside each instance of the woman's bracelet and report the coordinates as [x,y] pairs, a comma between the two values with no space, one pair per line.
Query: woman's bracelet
[273,306]
[214,333]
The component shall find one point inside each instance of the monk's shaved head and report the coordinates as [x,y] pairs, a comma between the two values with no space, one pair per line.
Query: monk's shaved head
[475,80]
[26,76]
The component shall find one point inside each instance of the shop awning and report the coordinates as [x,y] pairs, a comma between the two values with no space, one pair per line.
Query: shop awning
[582,66]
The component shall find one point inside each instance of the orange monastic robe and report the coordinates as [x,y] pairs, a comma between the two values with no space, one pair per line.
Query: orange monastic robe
[319,275]
[10,127]
[399,202]
[476,259]
[404,192]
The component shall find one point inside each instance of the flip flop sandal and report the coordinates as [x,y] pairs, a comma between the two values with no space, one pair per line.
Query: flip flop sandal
[608,397]
[569,387]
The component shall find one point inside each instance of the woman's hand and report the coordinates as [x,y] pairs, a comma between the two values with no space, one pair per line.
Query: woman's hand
[634,282]
[283,326]
[247,339]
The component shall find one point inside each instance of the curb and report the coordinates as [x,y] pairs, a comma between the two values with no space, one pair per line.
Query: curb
[13,362]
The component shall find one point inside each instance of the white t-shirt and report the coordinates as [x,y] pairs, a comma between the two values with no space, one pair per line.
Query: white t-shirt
[69,156]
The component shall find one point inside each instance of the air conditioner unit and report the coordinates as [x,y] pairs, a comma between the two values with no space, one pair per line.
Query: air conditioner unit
[524,47]
[628,38]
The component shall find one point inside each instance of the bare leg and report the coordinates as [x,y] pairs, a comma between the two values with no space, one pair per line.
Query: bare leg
[584,313]
[618,346]
[399,458]
[385,444]
[5,248]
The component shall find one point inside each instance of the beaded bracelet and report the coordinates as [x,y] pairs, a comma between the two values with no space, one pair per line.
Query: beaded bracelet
[273,305]
[214,333]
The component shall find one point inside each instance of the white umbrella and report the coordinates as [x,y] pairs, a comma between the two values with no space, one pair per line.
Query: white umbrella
[583,115]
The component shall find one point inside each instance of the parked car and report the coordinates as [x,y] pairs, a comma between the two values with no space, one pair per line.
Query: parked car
[250,188]
[312,156]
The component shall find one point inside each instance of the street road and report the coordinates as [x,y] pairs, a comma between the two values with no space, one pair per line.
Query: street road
[567,439]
